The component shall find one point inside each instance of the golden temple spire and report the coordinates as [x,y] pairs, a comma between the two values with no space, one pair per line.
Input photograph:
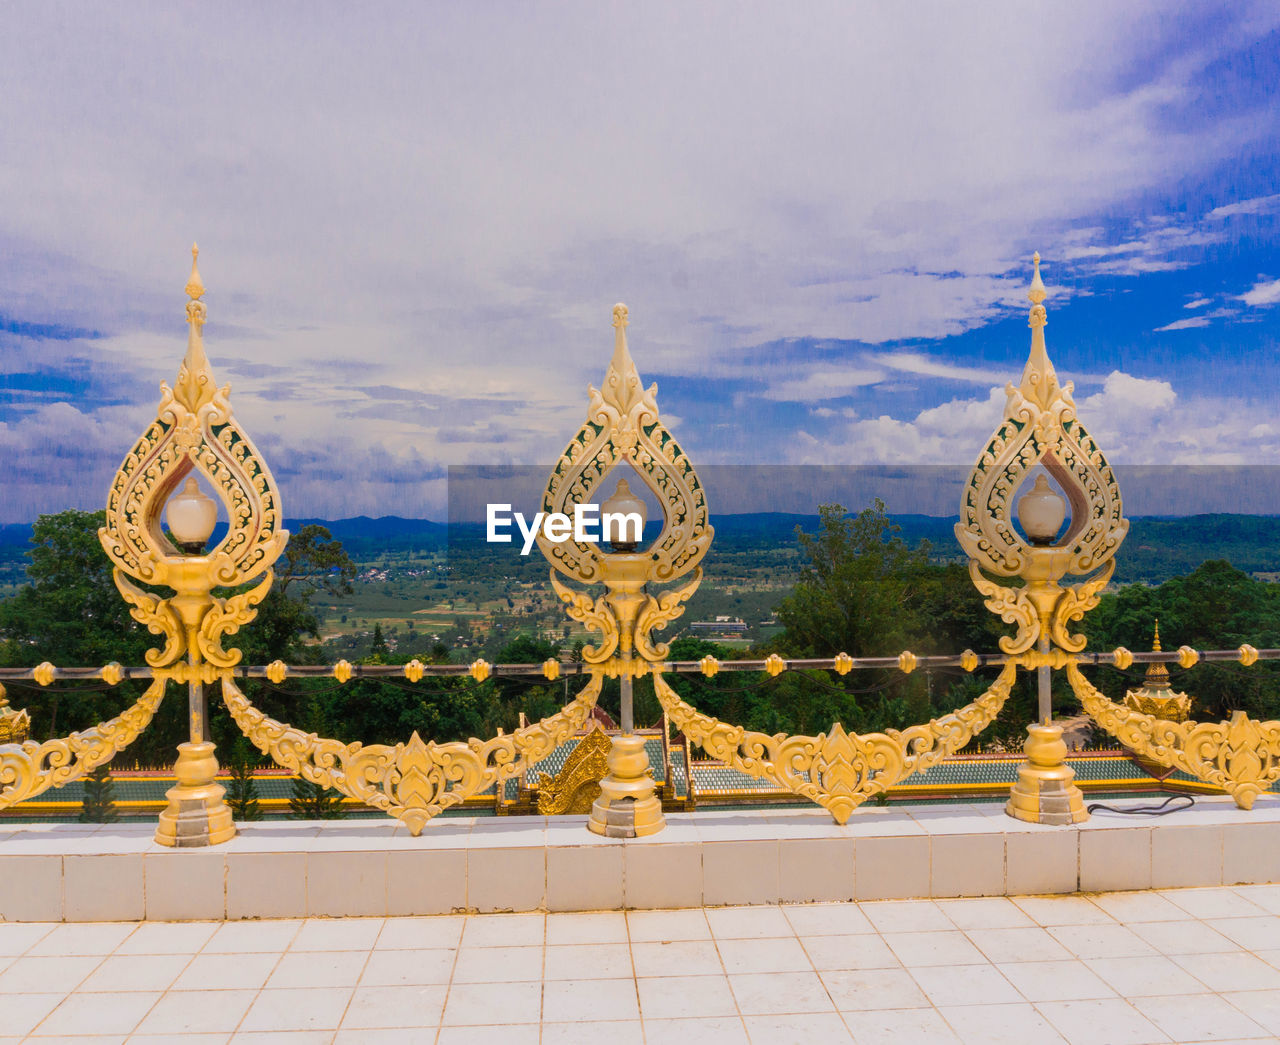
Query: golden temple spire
[1157,674]
[1039,380]
[195,287]
[195,384]
[622,388]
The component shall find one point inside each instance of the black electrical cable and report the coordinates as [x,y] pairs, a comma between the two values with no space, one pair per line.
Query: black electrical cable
[1159,810]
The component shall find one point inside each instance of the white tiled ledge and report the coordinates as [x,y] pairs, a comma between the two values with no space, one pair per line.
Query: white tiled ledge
[75,872]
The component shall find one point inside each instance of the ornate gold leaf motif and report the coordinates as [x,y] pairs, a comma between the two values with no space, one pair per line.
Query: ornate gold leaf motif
[1241,756]
[31,768]
[1040,427]
[837,770]
[411,782]
[623,427]
[577,785]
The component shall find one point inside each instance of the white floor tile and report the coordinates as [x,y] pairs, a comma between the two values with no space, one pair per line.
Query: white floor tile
[678,958]
[827,919]
[1263,1007]
[737,923]
[798,1027]
[23,1011]
[999,1025]
[184,1012]
[850,952]
[1193,937]
[408,968]
[752,956]
[337,934]
[1101,1022]
[98,1014]
[1060,981]
[906,916]
[505,930]
[472,1004]
[421,934]
[169,938]
[416,1007]
[965,985]
[1062,910]
[615,1032]
[498,964]
[721,1031]
[1018,945]
[593,927]
[84,938]
[314,1008]
[570,1001]
[135,972]
[934,948]
[663,926]
[1198,1017]
[17,937]
[687,997]
[1213,903]
[897,1026]
[1231,972]
[1100,941]
[227,972]
[781,992]
[602,961]
[318,969]
[1253,934]
[45,974]
[1152,976]
[1139,907]
[866,989]
[245,937]
[506,1034]
[985,912]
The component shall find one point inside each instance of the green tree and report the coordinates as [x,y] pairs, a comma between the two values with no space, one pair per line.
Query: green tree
[98,805]
[242,795]
[310,801]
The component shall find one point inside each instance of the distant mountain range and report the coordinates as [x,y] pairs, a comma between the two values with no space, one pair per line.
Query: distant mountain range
[1156,548]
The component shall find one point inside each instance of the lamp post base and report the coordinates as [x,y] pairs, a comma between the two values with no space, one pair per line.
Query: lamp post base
[1046,792]
[196,815]
[627,806]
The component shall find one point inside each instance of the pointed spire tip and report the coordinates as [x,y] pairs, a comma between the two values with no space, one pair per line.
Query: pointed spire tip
[194,287]
[1036,294]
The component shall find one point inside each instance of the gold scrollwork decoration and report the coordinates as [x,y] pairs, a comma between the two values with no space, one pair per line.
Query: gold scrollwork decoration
[1241,756]
[195,431]
[412,781]
[1040,427]
[623,426]
[33,767]
[837,770]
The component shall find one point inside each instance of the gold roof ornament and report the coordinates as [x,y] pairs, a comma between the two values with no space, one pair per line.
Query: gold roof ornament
[1156,696]
[1040,428]
[15,726]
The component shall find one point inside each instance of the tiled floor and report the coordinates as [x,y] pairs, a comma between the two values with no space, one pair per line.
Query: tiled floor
[1177,965]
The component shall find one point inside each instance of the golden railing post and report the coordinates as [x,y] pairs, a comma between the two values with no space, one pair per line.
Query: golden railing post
[194,432]
[1040,427]
[623,425]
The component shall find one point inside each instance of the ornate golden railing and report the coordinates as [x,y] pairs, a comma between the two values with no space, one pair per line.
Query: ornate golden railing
[1019,571]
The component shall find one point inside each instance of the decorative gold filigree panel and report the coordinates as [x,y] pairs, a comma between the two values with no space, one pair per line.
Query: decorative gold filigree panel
[576,787]
[409,781]
[1241,756]
[1040,427]
[32,768]
[623,425]
[837,770]
[194,431]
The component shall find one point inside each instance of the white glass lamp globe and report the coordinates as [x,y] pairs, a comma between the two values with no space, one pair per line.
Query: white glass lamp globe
[624,502]
[191,516]
[1041,511]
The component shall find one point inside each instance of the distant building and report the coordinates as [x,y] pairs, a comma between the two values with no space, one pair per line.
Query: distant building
[722,625]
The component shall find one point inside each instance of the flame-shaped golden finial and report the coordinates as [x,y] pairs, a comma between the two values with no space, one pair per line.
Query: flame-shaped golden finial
[622,387]
[195,384]
[1039,380]
[195,287]
[1155,643]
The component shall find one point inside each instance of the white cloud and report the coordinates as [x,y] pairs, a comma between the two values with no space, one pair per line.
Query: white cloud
[1185,324]
[1257,205]
[423,218]
[1262,294]
[1197,302]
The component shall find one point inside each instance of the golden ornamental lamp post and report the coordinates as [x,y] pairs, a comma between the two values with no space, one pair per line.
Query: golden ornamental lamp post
[623,427]
[1040,429]
[1156,697]
[194,433]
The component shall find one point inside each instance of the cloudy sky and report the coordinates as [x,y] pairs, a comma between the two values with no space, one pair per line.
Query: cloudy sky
[414,220]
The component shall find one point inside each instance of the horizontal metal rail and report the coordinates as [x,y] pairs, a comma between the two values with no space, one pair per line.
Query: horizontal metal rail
[567,668]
